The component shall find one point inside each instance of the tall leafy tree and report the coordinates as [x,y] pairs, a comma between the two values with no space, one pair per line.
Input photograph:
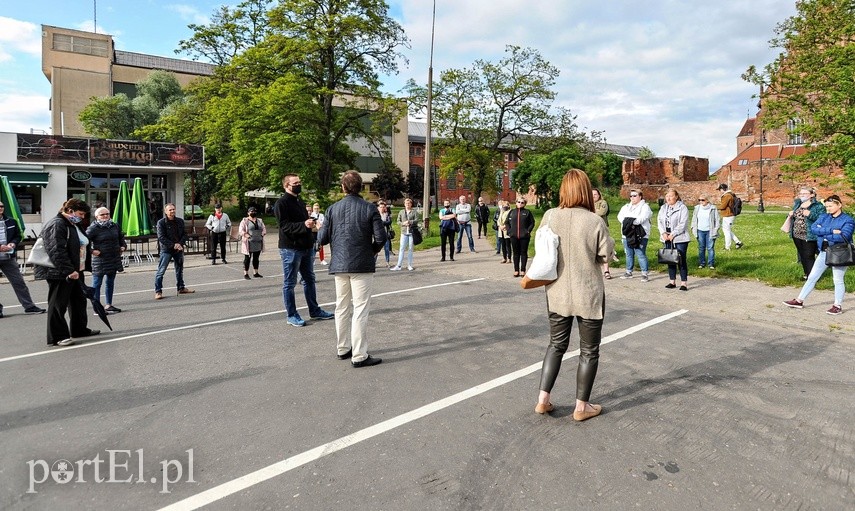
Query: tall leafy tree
[544,171]
[493,108]
[810,86]
[119,116]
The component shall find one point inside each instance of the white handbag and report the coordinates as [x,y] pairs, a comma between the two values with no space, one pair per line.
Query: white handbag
[544,266]
[38,256]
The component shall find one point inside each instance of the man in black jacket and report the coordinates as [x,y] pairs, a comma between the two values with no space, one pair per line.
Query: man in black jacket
[482,215]
[10,238]
[296,250]
[171,240]
[355,232]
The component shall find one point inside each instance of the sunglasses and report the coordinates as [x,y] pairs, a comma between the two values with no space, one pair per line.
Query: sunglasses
[520,202]
[633,195]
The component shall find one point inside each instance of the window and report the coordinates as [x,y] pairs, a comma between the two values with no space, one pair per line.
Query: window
[743,162]
[451,181]
[500,182]
[415,150]
[83,45]
[794,136]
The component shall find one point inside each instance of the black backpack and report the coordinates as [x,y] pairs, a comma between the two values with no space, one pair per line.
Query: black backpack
[736,208]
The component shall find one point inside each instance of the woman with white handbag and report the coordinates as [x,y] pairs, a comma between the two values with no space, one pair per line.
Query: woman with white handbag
[579,291]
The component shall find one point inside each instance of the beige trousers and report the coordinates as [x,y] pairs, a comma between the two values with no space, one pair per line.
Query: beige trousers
[352,304]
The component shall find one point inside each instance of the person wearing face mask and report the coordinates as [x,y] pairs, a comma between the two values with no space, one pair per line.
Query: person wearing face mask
[251,232]
[806,210]
[295,249]
[520,224]
[220,225]
[108,243]
[447,229]
[66,246]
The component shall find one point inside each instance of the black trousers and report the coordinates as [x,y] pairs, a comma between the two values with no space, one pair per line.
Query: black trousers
[218,238]
[519,246]
[65,295]
[506,249]
[590,335]
[482,226]
[449,235]
[254,256]
[807,251]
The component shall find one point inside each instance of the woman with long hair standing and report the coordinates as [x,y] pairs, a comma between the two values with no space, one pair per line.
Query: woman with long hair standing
[584,245]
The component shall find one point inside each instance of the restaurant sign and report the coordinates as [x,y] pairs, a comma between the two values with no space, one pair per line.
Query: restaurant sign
[81,175]
[95,151]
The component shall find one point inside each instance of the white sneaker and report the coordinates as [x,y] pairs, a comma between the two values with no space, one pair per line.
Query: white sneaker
[626,275]
[395,268]
[324,263]
[410,268]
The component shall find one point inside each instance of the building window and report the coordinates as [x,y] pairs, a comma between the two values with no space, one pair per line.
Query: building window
[743,162]
[82,45]
[415,150]
[511,157]
[451,182]
[794,132]
[500,181]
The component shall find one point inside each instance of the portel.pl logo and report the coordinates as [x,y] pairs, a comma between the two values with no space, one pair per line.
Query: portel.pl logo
[118,466]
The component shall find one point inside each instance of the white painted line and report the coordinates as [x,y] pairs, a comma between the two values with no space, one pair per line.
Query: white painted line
[209,323]
[241,483]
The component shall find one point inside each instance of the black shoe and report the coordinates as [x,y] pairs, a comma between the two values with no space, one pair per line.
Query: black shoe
[32,310]
[113,310]
[1,314]
[739,245]
[670,286]
[225,262]
[213,261]
[367,362]
[90,333]
[247,277]
[442,260]
[346,355]
[683,288]
[258,276]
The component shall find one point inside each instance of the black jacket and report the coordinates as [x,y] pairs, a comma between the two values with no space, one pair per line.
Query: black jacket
[520,223]
[355,232]
[108,240]
[62,245]
[170,233]
[13,234]
[482,213]
[291,214]
[633,233]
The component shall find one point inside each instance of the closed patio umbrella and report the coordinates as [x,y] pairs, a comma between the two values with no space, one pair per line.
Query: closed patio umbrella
[139,223]
[121,211]
[8,198]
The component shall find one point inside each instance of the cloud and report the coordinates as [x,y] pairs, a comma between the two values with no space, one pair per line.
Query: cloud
[661,74]
[190,13]
[19,36]
[20,113]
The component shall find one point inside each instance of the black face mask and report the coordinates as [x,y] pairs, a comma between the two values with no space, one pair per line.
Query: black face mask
[252,215]
[296,189]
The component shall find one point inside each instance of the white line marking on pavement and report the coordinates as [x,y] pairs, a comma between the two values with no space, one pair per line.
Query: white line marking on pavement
[209,323]
[241,483]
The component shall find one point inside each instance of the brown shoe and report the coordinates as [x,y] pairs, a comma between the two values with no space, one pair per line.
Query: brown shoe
[158,296]
[585,415]
[185,291]
[543,408]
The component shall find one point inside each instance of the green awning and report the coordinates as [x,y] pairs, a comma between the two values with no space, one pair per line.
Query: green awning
[26,178]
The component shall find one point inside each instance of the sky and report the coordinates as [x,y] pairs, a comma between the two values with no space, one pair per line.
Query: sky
[664,74]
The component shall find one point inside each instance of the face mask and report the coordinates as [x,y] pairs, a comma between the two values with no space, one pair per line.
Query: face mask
[505,208]
[252,215]
[296,189]
[102,223]
[74,219]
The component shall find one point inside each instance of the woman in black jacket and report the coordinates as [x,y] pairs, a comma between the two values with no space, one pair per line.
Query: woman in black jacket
[108,243]
[66,247]
[519,225]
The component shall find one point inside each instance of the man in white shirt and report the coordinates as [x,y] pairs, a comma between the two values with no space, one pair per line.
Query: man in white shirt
[464,218]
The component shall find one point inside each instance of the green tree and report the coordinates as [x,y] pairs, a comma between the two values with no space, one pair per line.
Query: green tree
[389,182]
[645,153]
[119,117]
[494,108]
[810,86]
[544,172]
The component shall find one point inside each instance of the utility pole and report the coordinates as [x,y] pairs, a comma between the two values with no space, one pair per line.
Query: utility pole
[428,162]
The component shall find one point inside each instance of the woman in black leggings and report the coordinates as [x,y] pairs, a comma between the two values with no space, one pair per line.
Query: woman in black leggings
[578,292]
[251,232]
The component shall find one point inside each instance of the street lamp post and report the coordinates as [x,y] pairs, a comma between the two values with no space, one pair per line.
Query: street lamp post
[760,207]
[428,162]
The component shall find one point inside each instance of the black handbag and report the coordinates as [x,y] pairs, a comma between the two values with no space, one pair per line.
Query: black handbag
[668,256]
[840,254]
[417,235]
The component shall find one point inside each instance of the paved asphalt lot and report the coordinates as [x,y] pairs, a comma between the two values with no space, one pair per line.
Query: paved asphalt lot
[718,398]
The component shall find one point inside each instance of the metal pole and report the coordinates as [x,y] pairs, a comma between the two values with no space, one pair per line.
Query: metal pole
[428,166]
[760,207]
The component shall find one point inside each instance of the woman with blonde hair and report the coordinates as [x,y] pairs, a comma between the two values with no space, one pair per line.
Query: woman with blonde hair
[673,221]
[579,291]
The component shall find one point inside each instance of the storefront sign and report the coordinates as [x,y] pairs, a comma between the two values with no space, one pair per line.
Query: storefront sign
[94,151]
[81,175]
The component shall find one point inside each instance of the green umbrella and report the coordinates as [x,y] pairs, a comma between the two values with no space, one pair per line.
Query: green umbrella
[121,212]
[138,221]
[7,197]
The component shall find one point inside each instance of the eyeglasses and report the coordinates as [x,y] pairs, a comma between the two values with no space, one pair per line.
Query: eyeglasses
[633,195]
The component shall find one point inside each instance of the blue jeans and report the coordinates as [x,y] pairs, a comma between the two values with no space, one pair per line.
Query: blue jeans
[108,288]
[302,262]
[406,245]
[498,243]
[387,249]
[819,267]
[706,249]
[467,228]
[165,257]
[640,252]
